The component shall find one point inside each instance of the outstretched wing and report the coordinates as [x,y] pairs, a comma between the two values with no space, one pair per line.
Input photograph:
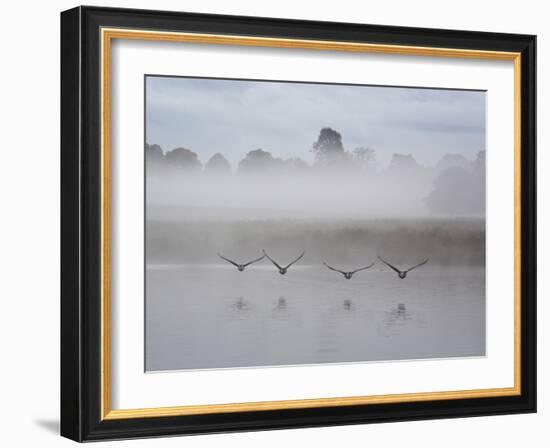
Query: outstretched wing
[291,263]
[389,265]
[334,269]
[271,259]
[418,265]
[362,269]
[228,260]
[254,261]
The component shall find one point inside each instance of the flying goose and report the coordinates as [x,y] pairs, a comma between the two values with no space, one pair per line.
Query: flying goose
[282,269]
[348,274]
[400,273]
[241,267]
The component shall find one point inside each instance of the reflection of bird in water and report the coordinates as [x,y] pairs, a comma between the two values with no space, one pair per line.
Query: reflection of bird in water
[240,303]
[400,273]
[401,310]
[398,316]
[282,269]
[348,274]
[241,267]
[400,313]
[347,304]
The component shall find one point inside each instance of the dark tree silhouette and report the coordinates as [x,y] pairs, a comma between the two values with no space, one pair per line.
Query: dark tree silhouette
[403,163]
[217,164]
[154,158]
[328,148]
[478,180]
[153,154]
[183,158]
[478,165]
[259,161]
[450,160]
[364,153]
[457,191]
[297,164]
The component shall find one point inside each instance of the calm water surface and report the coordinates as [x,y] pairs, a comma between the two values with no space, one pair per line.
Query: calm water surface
[212,316]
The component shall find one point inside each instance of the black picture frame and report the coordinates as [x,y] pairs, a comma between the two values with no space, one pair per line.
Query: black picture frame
[81,224]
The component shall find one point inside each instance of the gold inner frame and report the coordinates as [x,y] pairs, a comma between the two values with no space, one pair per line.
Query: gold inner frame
[107,35]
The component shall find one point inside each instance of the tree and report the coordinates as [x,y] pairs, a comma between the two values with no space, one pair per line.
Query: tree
[154,157]
[449,160]
[478,179]
[456,192]
[259,161]
[403,164]
[153,151]
[183,158]
[365,156]
[217,164]
[478,165]
[328,148]
[298,164]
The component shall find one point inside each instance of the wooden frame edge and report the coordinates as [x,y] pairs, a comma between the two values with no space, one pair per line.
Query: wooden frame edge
[107,34]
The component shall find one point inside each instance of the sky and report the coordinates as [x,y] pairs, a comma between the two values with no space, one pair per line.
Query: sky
[234,117]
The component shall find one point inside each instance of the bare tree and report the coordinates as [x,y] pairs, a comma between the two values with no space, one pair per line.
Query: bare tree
[365,156]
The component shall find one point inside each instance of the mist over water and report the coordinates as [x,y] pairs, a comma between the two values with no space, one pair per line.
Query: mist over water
[202,313]
[348,192]
[342,208]
[344,219]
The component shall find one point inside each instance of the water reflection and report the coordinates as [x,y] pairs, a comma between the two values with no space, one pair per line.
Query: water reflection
[281,307]
[261,320]
[281,310]
[398,315]
[241,304]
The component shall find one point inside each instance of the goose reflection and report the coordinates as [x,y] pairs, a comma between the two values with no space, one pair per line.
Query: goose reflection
[240,304]
[281,303]
[398,316]
[282,311]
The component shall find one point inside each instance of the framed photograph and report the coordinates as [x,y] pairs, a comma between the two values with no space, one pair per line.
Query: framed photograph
[272,223]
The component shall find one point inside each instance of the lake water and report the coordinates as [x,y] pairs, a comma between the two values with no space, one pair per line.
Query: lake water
[212,316]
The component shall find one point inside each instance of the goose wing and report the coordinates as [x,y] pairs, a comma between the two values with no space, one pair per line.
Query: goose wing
[228,260]
[299,258]
[271,259]
[254,261]
[389,265]
[334,269]
[362,269]
[418,265]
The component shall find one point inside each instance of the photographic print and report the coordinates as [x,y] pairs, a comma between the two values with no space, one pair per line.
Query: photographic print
[301,204]
[292,223]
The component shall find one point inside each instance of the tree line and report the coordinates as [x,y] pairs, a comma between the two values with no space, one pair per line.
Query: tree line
[328,151]
[458,184]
